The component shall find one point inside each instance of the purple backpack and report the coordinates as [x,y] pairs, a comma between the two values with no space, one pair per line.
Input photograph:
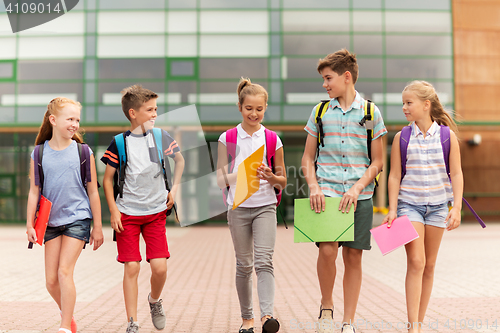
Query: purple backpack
[404,139]
[271,140]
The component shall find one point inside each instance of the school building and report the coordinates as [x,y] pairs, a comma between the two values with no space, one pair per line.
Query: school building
[194,51]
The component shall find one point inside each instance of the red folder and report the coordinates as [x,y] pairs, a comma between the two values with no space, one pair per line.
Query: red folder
[42,219]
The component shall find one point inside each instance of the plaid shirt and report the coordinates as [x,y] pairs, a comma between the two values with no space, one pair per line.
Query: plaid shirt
[344,158]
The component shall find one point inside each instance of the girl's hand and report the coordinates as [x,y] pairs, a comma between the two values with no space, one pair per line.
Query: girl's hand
[116,222]
[96,237]
[317,199]
[31,234]
[453,219]
[348,199]
[170,200]
[264,172]
[391,216]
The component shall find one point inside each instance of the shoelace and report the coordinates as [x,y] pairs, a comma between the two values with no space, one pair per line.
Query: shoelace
[156,308]
[132,327]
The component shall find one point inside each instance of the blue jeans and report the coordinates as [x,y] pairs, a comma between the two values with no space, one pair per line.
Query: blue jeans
[434,215]
[79,230]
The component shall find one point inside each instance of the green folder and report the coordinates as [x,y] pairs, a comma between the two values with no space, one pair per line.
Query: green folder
[329,226]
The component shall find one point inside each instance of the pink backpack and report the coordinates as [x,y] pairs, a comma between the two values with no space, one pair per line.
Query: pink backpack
[271,140]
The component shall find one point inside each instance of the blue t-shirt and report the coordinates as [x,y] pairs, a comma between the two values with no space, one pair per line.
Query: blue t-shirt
[63,185]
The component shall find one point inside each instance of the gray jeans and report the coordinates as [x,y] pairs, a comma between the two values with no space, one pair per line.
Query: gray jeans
[254,234]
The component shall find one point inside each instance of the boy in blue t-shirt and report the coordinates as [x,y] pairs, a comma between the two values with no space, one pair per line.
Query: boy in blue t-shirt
[343,170]
[143,205]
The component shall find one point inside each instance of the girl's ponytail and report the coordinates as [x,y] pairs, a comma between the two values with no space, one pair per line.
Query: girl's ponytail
[246,87]
[54,107]
[425,91]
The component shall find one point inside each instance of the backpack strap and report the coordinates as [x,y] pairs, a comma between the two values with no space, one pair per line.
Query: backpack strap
[231,137]
[367,120]
[271,142]
[318,119]
[37,160]
[446,146]
[404,139]
[83,152]
[122,159]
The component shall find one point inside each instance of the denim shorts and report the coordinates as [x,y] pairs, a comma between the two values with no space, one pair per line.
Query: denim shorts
[79,230]
[434,215]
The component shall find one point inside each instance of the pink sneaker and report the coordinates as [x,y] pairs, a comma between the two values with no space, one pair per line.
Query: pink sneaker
[73,324]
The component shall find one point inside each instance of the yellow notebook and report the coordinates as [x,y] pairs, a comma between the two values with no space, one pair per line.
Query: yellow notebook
[247,182]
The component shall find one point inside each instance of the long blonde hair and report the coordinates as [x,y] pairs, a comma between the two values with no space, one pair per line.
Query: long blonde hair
[246,87]
[425,91]
[54,108]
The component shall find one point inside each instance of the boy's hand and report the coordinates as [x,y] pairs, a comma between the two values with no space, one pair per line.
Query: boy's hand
[453,219]
[348,199]
[317,199]
[170,200]
[391,216]
[264,172]
[116,222]
[31,234]
[96,237]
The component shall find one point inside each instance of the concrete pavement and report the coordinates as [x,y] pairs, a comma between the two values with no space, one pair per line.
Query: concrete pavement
[200,295]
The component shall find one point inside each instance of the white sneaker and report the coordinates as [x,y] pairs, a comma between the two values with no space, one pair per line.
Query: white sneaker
[325,321]
[348,328]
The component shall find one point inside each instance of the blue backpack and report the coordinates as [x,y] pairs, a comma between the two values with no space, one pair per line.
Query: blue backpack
[119,177]
[404,139]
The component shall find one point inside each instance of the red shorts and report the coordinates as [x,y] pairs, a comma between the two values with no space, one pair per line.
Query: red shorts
[154,234]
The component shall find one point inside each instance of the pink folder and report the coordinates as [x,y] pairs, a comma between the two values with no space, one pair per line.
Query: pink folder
[400,233]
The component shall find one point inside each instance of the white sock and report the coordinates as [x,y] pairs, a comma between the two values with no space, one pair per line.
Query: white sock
[152,300]
[65,330]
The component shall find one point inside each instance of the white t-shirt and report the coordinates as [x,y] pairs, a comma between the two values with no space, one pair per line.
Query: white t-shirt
[246,145]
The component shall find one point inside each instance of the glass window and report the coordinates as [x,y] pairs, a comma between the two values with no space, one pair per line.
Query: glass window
[421,4]
[370,68]
[130,4]
[50,70]
[403,21]
[111,114]
[182,46]
[443,88]
[233,68]
[394,113]
[234,21]
[314,44]
[182,3]
[233,4]
[31,114]
[367,89]
[302,68]
[72,23]
[297,113]
[50,47]
[133,22]
[132,68]
[9,47]
[367,20]
[6,70]
[366,4]
[184,88]
[181,68]
[320,21]
[51,89]
[315,4]
[7,115]
[182,21]
[219,113]
[426,69]
[419,45]
[128,46]
[117,87]
[367,44]
[234,46]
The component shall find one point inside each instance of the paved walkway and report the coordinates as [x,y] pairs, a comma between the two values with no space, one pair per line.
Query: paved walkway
[200,295]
